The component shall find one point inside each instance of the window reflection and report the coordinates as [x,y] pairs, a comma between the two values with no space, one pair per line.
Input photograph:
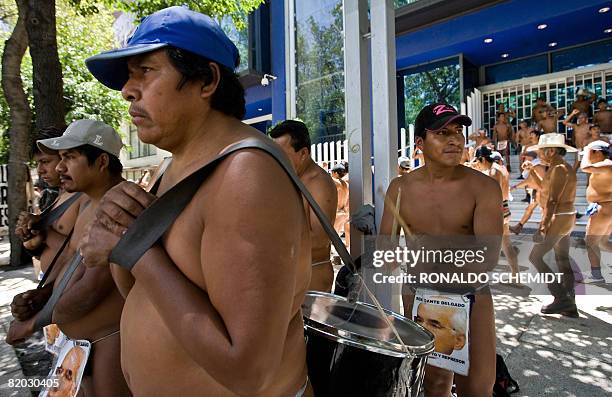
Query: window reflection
[320,67]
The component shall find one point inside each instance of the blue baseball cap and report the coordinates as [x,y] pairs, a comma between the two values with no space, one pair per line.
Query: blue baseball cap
[176,26]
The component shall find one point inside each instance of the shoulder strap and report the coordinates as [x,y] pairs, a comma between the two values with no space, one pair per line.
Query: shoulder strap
[54,214]
[157,218]
[55,258]
[45,316]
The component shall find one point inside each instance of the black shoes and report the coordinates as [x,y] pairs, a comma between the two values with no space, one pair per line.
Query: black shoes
[565,307]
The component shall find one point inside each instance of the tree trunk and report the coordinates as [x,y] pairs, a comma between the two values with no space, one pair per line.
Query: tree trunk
[19,133]
[48,86]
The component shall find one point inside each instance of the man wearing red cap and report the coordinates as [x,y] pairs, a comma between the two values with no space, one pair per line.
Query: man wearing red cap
[223,288]
[444,198]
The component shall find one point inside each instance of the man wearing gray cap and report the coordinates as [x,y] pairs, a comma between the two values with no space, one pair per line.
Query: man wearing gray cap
[90,306]
[224,287]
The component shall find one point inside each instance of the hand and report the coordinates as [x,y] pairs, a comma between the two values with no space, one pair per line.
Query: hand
[575,111]
[115,213]
[35,242]
[19,331]
[538,237]
[27,304]
[25,225]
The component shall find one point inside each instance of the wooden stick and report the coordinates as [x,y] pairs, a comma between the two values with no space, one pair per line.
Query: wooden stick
[396,213]
[397,205]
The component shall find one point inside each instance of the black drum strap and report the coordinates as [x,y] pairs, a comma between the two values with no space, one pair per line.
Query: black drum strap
[157,218]
[55,258]
[48,217]
[45,316]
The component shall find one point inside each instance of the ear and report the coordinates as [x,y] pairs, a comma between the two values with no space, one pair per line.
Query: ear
[304,154]
[209,89]
[419,142]
[103,161]
[459,342]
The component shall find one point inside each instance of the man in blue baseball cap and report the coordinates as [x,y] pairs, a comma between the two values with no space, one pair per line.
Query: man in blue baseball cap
[224,287]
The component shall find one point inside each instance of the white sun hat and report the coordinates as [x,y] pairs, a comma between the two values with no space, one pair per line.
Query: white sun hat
[552,140]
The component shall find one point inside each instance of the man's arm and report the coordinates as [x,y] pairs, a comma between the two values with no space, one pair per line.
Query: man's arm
[86,289]
[386,223]
[488,221]
[123,279]
[326,195]
[567,121]
[249,263]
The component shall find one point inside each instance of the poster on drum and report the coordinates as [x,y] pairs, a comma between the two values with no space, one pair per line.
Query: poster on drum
[446,316]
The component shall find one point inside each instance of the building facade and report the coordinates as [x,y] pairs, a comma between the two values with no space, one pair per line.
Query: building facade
[474,54]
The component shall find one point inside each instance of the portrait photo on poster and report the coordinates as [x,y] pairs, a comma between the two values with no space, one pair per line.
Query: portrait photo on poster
[446,316]
[68,371]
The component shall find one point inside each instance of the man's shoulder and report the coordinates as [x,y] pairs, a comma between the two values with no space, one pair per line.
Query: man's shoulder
[477,179]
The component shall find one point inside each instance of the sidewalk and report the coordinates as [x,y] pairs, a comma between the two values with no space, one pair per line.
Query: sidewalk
[547,355]
[12,282]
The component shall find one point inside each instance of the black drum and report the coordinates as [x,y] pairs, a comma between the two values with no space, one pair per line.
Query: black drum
[351,351]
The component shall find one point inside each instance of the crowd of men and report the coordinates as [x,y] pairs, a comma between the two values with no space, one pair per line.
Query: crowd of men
[217,299]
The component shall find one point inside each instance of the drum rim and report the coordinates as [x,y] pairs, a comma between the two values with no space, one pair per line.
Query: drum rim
[360,341]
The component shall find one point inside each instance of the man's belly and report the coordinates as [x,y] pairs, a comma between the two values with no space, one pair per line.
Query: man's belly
[598,194]
[155,364]
[101,321]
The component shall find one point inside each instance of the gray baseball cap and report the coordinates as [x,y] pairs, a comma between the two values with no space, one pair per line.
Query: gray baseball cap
[84,132]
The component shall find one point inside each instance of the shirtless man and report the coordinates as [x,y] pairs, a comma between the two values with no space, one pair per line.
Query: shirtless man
[293,137]
[582,103]
[581,128]
[90,306]
[548,124]
[44,243]
[342,211]
[502,136]
[533,171]
[523,138]
[480,138]
[597,162]
[502,110]
[445,198]
[595,135]
[558,192]
[224,287]
[540,110]
[603,118]
[488,166]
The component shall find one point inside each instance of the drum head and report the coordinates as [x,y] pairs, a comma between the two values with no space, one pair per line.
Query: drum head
[360,324]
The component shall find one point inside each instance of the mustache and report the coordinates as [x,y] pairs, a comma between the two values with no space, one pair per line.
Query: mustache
[135,109]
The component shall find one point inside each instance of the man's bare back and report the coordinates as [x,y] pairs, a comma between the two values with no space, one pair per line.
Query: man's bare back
[323,189]
[604,119]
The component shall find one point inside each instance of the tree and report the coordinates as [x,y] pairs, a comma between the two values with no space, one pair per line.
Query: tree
[62,97]
[47,71]
[237,10]
[437,84]
[20,117]
[320,74]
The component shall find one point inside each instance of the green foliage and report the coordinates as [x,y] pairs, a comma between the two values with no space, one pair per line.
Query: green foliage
[438,84]
[79,37]
[237,10]
[320,74]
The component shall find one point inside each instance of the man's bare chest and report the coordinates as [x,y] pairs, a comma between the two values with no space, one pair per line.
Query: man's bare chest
[438,212]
